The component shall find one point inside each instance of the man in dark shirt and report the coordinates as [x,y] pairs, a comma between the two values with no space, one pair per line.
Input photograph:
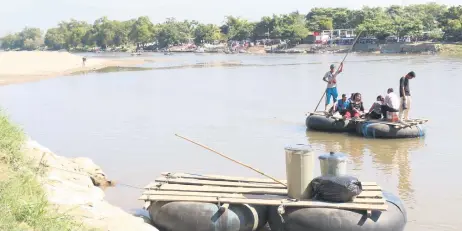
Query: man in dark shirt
[405,95]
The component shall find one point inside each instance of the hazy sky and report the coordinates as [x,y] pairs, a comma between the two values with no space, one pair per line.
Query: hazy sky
[16,14]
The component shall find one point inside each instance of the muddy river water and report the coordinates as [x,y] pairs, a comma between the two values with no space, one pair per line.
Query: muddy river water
[126,121]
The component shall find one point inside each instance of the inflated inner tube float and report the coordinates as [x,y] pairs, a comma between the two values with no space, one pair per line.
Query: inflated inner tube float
[188,216]
[328,124]
[330,219]
[382,130]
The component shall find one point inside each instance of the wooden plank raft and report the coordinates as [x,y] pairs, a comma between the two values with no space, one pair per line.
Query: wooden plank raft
[239,190]
[407,123]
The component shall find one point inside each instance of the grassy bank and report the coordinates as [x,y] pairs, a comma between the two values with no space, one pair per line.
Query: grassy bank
[450,49]
[23,202]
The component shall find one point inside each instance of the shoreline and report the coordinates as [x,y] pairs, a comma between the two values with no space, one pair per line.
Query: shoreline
[29,66]
[44,191]
[75,187]
[40,65]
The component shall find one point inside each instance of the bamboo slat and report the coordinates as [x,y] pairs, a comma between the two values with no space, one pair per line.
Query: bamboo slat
[237,184]
[219,177]
[146,195]
[282,192]
[194,188]
[170,175]
[312,204]
[218,183]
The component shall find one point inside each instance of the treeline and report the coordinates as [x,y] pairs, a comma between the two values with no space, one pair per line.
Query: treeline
[431,20]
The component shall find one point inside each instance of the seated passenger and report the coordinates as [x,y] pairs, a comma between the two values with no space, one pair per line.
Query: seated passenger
[341,105]
[356,108]
[351,97]
[375,112]
[390,108]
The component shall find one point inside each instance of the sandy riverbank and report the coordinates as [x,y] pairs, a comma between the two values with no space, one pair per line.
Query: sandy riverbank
[69,184]
[26,66]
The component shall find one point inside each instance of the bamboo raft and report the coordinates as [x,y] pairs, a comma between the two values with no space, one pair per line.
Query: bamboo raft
[407,123]
[239,190]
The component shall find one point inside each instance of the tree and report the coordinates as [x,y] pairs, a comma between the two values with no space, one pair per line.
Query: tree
[430,20]
[28,39]
[173,32]
[55,39]
[207,33]
[452,23]
[142,31]
[122,32]
[237,28]
[103,32]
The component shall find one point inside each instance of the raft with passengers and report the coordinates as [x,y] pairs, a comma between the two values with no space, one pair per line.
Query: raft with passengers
[386,118]
[187,201]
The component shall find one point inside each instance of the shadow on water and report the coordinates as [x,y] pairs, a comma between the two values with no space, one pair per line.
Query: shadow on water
[389,157]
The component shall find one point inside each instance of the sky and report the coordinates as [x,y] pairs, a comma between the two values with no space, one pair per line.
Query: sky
[17,14]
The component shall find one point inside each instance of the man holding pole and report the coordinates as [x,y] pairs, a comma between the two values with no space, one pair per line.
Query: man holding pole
[331,78]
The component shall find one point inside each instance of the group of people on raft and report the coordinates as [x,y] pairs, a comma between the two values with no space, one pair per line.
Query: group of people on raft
[389,108]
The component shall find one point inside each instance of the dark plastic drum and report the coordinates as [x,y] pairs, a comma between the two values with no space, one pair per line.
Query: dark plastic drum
[323,123]
[380,130]
[328,219]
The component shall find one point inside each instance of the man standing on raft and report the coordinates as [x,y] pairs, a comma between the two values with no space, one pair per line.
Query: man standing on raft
[331,78]
[405,95]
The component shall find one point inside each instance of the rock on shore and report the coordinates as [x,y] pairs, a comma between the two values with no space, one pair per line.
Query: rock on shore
[70,187]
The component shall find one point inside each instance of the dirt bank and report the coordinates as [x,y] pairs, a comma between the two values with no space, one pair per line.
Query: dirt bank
[69,184]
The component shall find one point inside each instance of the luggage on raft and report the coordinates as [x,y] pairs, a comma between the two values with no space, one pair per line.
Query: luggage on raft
[323,123]
[382,130]
[188,216]
[330,219]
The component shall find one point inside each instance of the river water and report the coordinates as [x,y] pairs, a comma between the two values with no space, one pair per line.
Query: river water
[126,121]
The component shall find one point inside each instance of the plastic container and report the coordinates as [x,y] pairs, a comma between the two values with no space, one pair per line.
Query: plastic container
[333,164]
[299,170]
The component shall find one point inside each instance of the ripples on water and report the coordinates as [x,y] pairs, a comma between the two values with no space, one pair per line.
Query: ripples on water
[249,107]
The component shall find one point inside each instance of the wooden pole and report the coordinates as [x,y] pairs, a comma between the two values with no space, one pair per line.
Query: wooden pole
[235,161]
[351,48]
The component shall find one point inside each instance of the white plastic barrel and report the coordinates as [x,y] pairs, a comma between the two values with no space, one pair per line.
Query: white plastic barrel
[333,164]
[299,170]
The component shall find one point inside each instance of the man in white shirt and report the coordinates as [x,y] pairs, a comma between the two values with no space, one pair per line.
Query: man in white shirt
[391,104]
[330,78]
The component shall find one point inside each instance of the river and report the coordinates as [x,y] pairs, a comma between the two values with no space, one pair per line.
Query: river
[126,121]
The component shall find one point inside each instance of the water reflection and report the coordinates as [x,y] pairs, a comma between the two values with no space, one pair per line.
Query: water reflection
[388,157]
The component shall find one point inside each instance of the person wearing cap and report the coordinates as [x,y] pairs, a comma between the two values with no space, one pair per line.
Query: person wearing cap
[405,95]
[330,78]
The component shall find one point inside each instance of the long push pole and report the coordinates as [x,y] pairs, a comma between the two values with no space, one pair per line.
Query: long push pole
[351,48]
[235,161]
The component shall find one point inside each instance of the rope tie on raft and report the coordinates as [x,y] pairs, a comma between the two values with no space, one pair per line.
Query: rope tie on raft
[281,208]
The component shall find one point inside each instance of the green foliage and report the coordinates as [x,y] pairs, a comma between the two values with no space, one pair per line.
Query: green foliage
[22,200]
[452,23]
[430,20]
[142,31]
[236,28]
[173,32]
[28,39]
[207,33]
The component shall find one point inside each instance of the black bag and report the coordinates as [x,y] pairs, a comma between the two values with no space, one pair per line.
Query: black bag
[335,188]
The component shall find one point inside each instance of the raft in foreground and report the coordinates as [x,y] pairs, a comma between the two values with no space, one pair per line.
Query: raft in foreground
[181,201]
[319,121]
